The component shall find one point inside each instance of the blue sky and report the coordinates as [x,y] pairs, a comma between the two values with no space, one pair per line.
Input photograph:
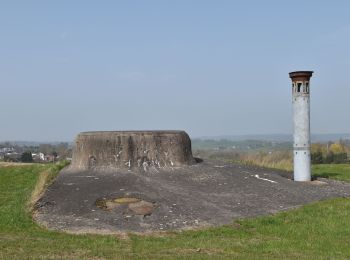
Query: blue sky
[207,67]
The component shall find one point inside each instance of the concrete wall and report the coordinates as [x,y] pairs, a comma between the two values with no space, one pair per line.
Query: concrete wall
[131,149]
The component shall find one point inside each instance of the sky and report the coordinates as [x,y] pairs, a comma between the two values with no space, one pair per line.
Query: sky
[207,67]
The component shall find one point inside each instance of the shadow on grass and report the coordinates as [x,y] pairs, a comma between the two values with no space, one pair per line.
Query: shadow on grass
[326,175]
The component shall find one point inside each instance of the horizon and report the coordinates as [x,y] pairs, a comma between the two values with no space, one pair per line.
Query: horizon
[239,137]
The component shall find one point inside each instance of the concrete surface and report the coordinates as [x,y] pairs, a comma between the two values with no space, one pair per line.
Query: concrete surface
[205,194]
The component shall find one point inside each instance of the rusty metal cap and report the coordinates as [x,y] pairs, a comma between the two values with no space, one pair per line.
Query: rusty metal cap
[300,75]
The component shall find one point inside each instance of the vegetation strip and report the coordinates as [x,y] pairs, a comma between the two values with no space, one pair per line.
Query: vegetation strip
[45,178]
[316,231]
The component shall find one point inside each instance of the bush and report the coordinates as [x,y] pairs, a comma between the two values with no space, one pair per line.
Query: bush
[317,157]
[340,158]
[331,157]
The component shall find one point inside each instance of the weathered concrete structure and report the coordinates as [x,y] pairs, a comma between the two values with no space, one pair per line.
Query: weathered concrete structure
[131,149]
[129,182]
[301,118]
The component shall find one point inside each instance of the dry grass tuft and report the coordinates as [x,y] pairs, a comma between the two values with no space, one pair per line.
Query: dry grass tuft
[8,164]
[40,187]
[278,160]
[45,179]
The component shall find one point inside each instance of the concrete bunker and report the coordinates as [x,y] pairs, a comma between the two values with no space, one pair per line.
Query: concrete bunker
[131,150]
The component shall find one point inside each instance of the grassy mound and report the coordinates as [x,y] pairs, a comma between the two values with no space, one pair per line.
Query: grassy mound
[317,231]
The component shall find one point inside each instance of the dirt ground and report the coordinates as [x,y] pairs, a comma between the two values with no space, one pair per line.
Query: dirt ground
[206,194]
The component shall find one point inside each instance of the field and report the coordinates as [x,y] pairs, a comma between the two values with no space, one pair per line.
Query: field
[317,231]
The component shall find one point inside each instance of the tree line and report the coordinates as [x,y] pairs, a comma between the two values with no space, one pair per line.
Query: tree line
[331,152]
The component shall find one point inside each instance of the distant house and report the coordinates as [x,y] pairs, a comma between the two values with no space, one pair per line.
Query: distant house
[9,154]
[7,150]
[12,157]
[41,157]
[50,158]
[36,157]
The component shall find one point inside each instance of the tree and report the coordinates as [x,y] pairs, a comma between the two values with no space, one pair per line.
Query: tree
[316,157]
[46,148]
[329,157]
[337,148]
[26,157]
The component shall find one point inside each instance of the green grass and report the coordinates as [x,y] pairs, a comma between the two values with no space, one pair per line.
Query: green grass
[317,231]
[333,171]
[20,238]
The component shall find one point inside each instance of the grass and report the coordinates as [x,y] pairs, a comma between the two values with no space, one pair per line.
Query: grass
[277,159]
[20,238]
[339,172]
[317,231]
[45,178]
[282,160]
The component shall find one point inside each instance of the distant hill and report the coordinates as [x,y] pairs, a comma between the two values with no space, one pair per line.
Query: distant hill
[276,137]
[240,145]
[328,137]
[30,143]
[265,139]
